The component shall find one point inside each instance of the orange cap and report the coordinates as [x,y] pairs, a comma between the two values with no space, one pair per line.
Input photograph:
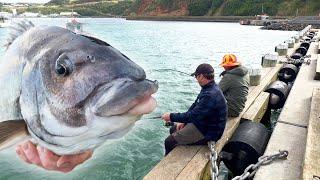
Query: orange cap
[229,60]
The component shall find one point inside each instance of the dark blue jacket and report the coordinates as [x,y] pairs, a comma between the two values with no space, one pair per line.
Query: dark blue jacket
[208,113]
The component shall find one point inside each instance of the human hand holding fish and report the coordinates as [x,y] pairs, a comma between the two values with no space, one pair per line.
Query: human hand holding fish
[46,159]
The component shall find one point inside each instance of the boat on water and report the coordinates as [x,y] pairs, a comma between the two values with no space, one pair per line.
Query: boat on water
[75,26]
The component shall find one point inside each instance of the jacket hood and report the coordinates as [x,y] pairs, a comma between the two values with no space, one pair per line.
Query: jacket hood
[239,71]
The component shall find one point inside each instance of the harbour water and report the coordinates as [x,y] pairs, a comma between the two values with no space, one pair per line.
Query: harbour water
[157,47]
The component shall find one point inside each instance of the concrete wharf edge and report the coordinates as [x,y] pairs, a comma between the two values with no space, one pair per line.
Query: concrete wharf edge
[311,165]
[317,76]
[290,137]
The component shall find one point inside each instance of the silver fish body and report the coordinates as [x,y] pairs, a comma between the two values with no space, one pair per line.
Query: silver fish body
[74,92]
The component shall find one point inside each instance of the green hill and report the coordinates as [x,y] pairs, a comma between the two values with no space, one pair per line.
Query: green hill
[179,7]
[233,7]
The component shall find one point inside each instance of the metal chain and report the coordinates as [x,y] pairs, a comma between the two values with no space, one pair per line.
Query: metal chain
[296,61]
[251,170]
[213,157]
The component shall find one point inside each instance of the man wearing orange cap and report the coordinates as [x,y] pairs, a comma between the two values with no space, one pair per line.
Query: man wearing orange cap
[234,84]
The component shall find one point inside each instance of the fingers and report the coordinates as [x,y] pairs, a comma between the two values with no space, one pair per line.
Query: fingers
[31,152]
[166,116]
[43,157]
[21,154]
[71,161]
[28,153]
[48,159]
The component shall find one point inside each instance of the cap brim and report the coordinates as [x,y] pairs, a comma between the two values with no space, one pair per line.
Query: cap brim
[230,65]
[193,74]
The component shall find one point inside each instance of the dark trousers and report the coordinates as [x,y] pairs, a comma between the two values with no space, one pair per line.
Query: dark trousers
[172,140]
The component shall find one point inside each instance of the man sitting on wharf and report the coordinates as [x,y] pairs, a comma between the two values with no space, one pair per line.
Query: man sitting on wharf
[234,84]
[206,118]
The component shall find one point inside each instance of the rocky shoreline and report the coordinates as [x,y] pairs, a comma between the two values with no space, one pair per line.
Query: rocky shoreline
[289,26]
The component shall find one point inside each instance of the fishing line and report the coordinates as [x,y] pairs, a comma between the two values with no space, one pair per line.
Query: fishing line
[168,69]
[165,123]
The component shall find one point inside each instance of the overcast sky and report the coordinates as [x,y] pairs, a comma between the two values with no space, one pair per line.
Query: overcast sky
[28,1]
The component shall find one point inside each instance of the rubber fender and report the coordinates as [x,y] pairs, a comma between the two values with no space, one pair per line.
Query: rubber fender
[296,56]
[246,145]
[288,73]
[305,44]
[310,36]
[312,33]
[302,50]
[307,39]
[279,91]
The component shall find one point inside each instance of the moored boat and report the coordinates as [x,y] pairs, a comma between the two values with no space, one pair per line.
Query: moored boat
[75,26]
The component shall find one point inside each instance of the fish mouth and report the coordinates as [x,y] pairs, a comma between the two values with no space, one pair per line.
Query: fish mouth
[124,96]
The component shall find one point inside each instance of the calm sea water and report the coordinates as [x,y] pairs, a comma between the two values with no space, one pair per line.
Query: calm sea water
[157,47]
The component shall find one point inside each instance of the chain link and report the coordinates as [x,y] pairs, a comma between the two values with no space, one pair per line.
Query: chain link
[251,170]
[296,61]
[213,157]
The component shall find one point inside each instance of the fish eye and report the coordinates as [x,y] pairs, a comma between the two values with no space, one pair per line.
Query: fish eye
[63,67]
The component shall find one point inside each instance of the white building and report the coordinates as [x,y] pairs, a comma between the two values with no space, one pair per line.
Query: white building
[69,14]
[30,14]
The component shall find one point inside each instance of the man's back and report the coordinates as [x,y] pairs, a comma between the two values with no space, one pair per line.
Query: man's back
[235,87]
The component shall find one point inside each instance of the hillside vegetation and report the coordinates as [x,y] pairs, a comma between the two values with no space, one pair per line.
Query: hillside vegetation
[233,7]
[180,7]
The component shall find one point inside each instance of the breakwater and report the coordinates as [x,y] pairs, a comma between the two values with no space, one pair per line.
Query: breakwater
[190,18]
[296,24]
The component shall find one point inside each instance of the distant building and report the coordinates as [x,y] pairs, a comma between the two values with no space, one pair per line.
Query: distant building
[21,5]
[30,14]
[53,15]
[262,17]
[69,14]
[7,6]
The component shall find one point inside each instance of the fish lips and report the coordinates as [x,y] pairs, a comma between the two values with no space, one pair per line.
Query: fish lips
[124,96]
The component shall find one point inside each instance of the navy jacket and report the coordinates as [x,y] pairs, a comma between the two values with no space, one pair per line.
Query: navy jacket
[208,113]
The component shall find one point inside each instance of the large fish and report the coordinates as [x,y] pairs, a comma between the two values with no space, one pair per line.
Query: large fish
[69,92]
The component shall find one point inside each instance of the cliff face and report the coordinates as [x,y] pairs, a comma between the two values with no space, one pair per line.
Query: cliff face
[152,8]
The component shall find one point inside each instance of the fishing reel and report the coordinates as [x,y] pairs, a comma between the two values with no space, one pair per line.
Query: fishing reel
[168,124]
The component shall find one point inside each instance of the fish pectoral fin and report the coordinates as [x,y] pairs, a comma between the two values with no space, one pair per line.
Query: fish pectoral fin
[12,132]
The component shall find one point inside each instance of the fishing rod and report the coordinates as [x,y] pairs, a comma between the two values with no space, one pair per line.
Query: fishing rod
[165,123]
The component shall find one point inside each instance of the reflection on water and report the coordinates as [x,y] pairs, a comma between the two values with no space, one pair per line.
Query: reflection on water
[154,46]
